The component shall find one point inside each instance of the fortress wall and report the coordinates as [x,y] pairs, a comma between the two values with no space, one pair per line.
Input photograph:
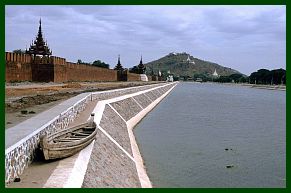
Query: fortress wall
[14,57]
[150,78]
[133,77]
[60,70]
[42,72]
[18,67]
[16,71]
[82,72]
[57,60]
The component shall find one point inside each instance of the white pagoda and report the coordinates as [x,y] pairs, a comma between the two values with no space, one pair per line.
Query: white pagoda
[215,74]
[189,60]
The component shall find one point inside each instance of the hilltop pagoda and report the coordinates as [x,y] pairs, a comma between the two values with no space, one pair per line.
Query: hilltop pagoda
[39,46]
[215,74]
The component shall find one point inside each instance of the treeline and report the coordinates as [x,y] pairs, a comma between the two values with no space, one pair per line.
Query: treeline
[18,51]
[234,78]
[262,76]
[97,63]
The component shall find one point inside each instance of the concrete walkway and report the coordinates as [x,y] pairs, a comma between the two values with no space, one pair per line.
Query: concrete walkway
[50,170]
[20,131]
[38,173]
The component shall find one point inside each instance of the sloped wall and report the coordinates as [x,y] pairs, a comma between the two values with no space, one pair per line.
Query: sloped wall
[21,154]
[115,159]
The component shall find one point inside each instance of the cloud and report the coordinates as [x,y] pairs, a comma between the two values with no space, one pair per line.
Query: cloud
[230,35]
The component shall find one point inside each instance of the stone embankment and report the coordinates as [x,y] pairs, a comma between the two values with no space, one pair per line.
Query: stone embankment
[270,87]
[112,159]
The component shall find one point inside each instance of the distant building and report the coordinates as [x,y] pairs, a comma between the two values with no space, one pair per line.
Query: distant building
[118,65]
[170,78]
[198,80]
[141,67]
[215,74]
[39,46]
[189,60]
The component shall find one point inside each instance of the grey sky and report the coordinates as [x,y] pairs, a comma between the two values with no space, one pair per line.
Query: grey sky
[245,38]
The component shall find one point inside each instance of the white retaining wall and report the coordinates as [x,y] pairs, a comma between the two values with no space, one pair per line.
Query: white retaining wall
[21,154]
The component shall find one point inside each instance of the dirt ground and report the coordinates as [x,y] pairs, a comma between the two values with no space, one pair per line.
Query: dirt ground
[25,100]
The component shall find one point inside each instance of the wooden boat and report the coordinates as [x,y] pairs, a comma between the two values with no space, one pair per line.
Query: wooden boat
[69,141]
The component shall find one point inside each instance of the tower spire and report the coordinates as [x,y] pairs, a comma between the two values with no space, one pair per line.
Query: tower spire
[140,60]
[39,46]
[118,65]
[39,34]
[141,67]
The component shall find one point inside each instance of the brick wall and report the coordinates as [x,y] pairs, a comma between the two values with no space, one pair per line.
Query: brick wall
[133,77]
[15,71]
[21,58]
[18,67]
[82,72]
[42,72]
[60,69]
[150,78]
[60,73]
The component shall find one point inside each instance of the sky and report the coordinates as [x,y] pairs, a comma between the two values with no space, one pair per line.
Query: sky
[244,38]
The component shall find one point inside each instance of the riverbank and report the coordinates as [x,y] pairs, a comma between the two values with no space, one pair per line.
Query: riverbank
[270,87]
[259,86]
[25,100]
[113,161]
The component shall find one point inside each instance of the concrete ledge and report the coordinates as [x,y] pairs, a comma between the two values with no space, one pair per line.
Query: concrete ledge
[144,179]
[74,171]
[22,140]
[19,155]
[138,174]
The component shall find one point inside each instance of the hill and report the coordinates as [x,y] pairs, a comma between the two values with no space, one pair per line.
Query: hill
[182,64]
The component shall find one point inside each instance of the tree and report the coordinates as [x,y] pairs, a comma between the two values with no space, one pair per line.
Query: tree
[203,76]
[223,79]
[134,69]
[19,51]
[264,76]
[79,61]
[236,77]
[242,79]
[100,64]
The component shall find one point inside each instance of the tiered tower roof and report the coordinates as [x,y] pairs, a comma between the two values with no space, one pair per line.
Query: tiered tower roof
[141,67]
[39,46]
[118,65]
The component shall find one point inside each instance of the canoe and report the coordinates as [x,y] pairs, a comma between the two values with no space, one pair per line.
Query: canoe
[69,141]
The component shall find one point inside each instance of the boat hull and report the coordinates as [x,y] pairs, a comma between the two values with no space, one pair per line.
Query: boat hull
[64,144]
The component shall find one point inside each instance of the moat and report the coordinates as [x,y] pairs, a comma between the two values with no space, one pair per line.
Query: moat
[210,135]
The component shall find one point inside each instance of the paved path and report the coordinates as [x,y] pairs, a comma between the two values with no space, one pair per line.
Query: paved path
[37,174]
[18,132]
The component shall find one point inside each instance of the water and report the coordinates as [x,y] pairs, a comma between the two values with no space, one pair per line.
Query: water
[183,140]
